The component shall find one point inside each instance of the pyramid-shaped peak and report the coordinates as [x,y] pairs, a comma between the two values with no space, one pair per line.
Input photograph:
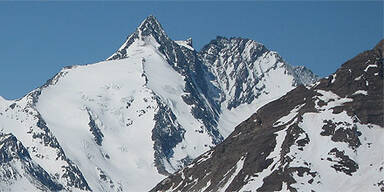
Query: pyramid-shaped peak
[151,19]
[151,26]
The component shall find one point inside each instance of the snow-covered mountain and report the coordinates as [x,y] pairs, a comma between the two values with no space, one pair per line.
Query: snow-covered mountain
[148,110]
[328,136]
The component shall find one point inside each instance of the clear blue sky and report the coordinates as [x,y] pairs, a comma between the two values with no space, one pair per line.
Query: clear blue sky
[38,39]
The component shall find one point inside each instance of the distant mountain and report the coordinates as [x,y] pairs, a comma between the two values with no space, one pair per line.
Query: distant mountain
[324,137]
[147,111]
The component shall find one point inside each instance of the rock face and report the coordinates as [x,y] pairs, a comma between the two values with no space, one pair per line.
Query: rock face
[244,70]
[149,109]
[323,137]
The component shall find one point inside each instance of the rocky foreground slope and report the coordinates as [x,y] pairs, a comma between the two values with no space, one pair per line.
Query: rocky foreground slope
[325,137]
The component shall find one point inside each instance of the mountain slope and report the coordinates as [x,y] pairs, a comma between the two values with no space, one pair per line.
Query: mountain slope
[324,137]
[145,112]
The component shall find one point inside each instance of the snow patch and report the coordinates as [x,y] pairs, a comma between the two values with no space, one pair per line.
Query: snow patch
[333,78]
[255,182]
[331,99]
[185,44]
[369,66]
[362,92]
[358,78]
[285,119]
[238,167]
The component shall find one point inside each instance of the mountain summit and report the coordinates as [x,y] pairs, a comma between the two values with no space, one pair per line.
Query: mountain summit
[144,113]
[150,27]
